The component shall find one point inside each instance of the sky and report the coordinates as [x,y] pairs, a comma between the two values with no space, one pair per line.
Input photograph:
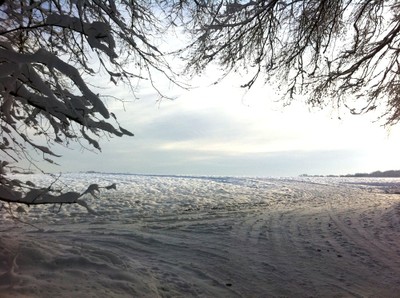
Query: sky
[224,131]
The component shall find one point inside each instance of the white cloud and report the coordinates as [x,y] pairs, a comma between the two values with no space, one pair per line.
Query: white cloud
[219,129]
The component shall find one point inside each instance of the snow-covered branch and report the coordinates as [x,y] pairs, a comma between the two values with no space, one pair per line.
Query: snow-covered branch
[13,192]
[47,49]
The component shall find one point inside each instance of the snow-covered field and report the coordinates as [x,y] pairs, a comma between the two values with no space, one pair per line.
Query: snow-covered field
[163,236]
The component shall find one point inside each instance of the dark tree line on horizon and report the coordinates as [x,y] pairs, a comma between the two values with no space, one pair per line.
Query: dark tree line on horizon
[378,174]
[330,52]
[375,174]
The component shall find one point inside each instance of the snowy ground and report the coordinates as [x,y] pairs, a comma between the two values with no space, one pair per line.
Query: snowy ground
[209,237]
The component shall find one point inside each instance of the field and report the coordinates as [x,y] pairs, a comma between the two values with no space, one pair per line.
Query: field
[169,236]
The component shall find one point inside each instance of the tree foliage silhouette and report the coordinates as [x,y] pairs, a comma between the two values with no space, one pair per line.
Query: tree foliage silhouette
[345,52]
[48,49]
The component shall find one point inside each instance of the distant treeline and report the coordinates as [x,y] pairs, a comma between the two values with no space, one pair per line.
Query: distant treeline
[387,174]
[391,173]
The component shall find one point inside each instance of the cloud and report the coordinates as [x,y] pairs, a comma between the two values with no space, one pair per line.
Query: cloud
[219,131]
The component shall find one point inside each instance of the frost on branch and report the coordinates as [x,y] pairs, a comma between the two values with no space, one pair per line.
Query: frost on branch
[344,53]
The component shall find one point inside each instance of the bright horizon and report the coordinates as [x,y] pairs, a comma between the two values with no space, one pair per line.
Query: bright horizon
[221,130]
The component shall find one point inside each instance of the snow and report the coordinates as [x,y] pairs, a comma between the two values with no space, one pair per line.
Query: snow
[171,236]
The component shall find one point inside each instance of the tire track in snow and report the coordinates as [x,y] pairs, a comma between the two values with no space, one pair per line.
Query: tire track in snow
[296,239]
